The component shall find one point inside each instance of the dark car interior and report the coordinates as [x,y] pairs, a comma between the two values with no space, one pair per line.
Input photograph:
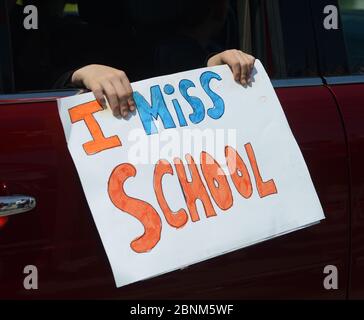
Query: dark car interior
[153,38]
[135,36]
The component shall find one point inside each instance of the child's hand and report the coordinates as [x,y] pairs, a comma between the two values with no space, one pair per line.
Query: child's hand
[240,63]
[112,83]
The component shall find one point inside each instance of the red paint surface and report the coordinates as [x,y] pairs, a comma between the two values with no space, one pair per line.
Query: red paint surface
[61,239]
[3,222]
[351,102]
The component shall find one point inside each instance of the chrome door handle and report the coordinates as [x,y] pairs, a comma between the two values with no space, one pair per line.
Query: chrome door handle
[16,204]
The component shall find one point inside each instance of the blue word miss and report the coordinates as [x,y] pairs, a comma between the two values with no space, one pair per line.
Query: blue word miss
[157,108]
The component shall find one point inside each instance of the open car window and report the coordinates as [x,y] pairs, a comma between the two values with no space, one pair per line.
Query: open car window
[147,39]
[128,35]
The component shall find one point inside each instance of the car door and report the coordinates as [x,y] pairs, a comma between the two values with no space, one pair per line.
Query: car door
[293,266]
[344,75]
[60,239]
[57,237]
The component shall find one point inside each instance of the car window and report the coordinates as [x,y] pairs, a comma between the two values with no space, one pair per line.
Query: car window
[283,38]
[148,39]
[143,38]
[352,19]
[6,72]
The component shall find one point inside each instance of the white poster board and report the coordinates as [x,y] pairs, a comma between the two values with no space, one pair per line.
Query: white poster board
[153,216]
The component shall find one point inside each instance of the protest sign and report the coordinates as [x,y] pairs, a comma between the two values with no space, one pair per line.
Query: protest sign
[205,166]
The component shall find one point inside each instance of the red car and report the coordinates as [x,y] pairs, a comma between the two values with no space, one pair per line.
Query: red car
[317,68]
